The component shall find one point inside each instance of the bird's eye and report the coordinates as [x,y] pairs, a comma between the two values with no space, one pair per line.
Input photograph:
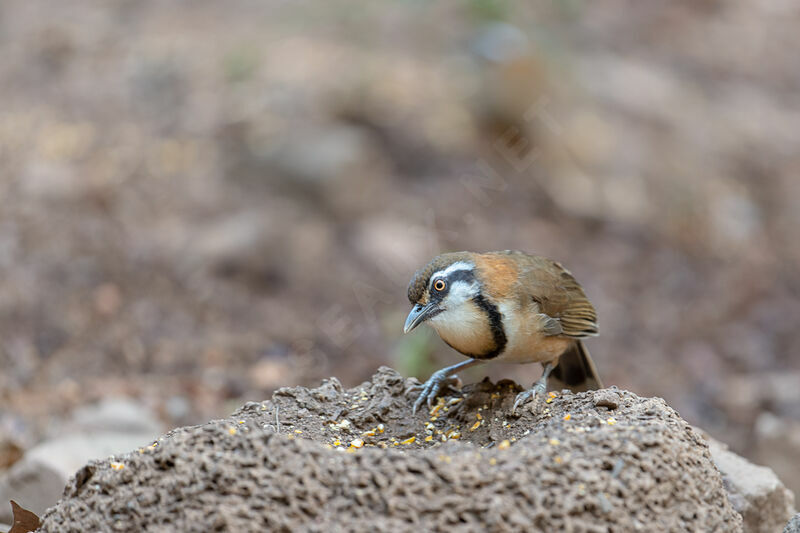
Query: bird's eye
[439,285]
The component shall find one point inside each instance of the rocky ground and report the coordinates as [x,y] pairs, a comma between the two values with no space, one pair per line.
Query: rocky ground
[335,459]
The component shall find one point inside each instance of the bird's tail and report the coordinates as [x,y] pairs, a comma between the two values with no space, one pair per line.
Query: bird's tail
[576,370]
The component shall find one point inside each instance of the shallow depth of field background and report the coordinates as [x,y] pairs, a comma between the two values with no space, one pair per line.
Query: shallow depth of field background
[203,201]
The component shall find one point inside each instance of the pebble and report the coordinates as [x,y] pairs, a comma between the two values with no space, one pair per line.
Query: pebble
[606,398]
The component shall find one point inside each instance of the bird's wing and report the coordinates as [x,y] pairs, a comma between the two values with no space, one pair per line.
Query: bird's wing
[558,294]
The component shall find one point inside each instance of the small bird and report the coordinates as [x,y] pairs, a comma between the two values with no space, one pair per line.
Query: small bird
[505,306]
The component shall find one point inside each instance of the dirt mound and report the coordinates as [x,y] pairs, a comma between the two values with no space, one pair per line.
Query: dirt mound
[329,459]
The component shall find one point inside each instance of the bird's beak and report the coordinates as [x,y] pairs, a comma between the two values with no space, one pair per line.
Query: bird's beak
[418,315]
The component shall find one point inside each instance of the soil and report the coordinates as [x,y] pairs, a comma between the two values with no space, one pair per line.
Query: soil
[330,459]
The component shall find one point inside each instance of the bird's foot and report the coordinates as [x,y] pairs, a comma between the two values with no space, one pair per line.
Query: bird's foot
[535,394]
[439,381]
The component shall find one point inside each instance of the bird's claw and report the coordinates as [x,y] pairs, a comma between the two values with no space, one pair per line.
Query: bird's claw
[431,388]
[535,393]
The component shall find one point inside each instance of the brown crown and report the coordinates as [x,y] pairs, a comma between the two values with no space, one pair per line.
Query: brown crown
[416,289]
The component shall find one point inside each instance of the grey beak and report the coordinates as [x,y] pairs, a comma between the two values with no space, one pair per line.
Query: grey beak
[418,315]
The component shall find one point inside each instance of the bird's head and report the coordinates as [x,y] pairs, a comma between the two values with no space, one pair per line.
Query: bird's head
[443,291]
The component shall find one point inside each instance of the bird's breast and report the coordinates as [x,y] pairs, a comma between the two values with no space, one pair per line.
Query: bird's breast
[467,329]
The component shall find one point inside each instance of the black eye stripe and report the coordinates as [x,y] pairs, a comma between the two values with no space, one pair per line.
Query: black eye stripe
[467,276]
[458,275]
[461,275]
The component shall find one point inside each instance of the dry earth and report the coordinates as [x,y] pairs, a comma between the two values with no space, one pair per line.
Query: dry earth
[329,459]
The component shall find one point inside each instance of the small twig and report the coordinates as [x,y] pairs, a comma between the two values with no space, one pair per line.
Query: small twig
[604,503]
[617,467]
[277,419]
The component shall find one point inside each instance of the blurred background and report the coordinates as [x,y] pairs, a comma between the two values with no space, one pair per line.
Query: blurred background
[203,201]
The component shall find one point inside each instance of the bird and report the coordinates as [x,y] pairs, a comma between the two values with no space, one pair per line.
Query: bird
[507,306]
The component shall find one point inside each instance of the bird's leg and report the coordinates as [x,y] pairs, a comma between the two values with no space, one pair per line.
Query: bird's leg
[435,383]
[535,392]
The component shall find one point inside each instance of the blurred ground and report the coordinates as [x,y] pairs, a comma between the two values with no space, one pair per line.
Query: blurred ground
[204,201]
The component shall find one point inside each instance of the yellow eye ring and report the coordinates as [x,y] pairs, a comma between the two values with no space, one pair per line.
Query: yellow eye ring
[439,285]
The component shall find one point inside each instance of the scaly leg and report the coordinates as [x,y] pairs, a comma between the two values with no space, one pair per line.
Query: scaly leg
[434,385]
[535,392]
